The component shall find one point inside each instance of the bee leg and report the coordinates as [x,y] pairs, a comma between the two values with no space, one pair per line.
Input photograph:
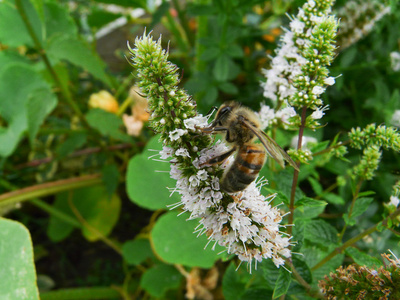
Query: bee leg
[219,159]
[212,129]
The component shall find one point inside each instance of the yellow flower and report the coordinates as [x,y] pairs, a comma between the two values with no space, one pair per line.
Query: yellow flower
[104,100]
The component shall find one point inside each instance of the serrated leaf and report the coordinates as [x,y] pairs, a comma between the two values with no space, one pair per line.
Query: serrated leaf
[310,202]
[147,180]
[316,186]
[302,268]
[360,206]
[107,124]
[136,251]
[270,272]
[78,53]
[232,286]
[159,279]
[334,199]
[282,283]
[41,102]
[320,232]
[18,275]
[110,176]
[363,259]
[74,141]
[174,241]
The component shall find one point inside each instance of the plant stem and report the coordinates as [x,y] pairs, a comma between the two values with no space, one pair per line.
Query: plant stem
[355,239]
[296,172]
[49,188]
[309,289]
[92,229]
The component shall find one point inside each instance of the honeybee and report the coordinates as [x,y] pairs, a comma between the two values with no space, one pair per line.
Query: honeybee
[241,127]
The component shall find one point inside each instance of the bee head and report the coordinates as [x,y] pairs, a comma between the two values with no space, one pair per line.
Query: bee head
[223,114]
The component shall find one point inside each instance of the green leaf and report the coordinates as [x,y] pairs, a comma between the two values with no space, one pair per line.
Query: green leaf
[282,283]
[232,285]
[21,104]
[40,103]
[320,232]
[159,13]
[270,272]
[363,259]
[107,124]
[235,51]
[147,180]
[316,186]
[174,241]
[16,34]
[310,202]
[137,251]
[110,178]
[159,279]
[221,68]
[360,206]
[302,268]
[210,54]
[228,88]
[78,53]
[17,275]
[74,141]
[334,199]
[58,21]
[256,294]
[95,207]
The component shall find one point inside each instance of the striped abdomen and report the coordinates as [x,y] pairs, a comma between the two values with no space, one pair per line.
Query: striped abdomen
[244,170]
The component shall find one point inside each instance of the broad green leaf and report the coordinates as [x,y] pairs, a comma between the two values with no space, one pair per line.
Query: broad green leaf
[107,124]
[308,212]
[159,279]
[270,272]
[221,68]
[235,51]
[282,283]
[13,30]
[210,54]
[360,206]
[74,141]
[228,88]
[232,285]
[137,251]
[21,104]
[174,241]
[17,275]
[148,180]
[40,103]
[10,57]
[320,232]
[78,53]
[363,259]
[95,207]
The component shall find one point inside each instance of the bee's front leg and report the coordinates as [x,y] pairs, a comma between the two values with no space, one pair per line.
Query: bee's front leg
[218,159]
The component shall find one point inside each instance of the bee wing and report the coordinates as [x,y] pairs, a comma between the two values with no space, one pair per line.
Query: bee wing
[272,147]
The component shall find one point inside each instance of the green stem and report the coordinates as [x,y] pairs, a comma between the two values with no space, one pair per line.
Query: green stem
[296,172]
[56,212]
[355,196]
[355,239]
[178,33]
[49,188]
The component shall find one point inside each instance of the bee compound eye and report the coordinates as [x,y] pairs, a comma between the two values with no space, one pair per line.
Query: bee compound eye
[225,110]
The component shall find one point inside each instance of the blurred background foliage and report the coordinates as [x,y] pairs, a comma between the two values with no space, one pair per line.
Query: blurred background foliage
[74,147]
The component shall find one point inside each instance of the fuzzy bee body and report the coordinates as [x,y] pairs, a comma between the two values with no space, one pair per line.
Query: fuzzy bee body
[241,128]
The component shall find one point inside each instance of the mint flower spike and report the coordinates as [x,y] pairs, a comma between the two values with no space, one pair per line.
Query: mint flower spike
[245,222]
[299,74]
